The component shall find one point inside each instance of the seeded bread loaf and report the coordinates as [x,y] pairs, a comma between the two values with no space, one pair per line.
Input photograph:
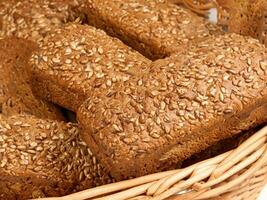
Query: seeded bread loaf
[4,6]
[33,19]
[185,104]
[76,60]
[15,92]
[156,28]
[220,147]
[246,16]
[44,158]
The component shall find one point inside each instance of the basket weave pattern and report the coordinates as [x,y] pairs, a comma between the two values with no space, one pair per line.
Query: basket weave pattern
[239,174]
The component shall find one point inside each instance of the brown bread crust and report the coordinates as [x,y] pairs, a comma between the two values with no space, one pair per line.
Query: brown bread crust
[155,28]
[33,19]
[15,92]
[77,60]
[44,158]
[247,17]
[221,147]
[185,104]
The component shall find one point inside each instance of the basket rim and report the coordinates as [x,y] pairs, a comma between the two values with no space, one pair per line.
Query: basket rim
[206,179]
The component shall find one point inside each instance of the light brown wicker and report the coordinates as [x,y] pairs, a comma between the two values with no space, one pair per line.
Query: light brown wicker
[201,7]
[239,174]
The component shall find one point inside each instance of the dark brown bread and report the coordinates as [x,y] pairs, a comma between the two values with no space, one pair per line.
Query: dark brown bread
[220,147]
[4,6]
[263,29]
[44,158]
[76,60]
[15,92]
[245,17]
[185,104]
[33,19]
[156,28]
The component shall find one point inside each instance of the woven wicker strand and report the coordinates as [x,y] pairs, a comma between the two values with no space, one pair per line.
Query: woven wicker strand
[199,7]
[235,175]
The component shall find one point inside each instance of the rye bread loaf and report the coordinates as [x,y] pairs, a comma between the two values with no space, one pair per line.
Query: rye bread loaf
[33,19]
[183,105]
[15,92]
[42,158]
[155,28]
[245,17]
[76,60]
[4,6]
[220,147]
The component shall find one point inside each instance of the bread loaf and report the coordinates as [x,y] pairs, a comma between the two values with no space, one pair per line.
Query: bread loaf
[15,92]
[156,28]
[33,19]
[42,158]
[76,60]
[244,17]
[4,6]
[185,104]
[220,147]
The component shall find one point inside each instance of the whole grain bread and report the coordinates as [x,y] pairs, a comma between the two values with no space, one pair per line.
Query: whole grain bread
[42,158]
[246,17]
[33,19]
[220,147]
[76,60]
[15,92]
[183,105]
[155,28]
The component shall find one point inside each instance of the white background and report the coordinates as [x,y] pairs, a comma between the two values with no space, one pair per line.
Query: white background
[263,195]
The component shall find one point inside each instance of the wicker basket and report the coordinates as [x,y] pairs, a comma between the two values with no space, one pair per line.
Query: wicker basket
[239,174]
[201,7]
